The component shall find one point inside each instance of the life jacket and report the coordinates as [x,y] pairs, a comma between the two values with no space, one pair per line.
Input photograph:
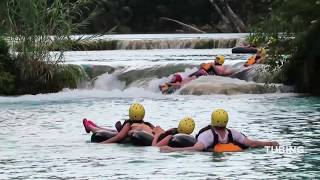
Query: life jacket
[172,132]
[252,60]
[218,147]
[206,66]
[131,122]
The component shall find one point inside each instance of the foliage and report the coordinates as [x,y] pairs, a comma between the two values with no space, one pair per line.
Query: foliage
[304,67]
[143,16]
[286,34]
[7,83]
[67,76]
[7,79]
[29,23]
[32,26]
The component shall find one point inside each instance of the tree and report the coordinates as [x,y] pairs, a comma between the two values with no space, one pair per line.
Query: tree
[292,37]
[228,16]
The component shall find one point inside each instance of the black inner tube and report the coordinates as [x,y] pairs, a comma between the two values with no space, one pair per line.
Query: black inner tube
[139,138]
[101,136]
[182,140]
[250,50]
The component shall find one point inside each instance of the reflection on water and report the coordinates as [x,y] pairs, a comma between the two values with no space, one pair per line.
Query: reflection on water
[42,137]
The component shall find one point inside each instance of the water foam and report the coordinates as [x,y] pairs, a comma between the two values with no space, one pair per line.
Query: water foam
[207,85]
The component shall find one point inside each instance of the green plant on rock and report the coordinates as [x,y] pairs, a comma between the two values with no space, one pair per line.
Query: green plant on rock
[33,26]
[68,76]
[291,35]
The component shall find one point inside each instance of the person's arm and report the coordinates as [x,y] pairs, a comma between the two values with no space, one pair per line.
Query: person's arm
[259,144]
[164,141]
[177,84]
[121,135]
[197,147]
[229,71]
[157,132]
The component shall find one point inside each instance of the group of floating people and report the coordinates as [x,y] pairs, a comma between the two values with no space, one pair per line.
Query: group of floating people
[212,68]
[214,137]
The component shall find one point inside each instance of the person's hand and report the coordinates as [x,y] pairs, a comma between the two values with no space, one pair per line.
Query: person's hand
[166,149]
[275,144]
[158,130]
[130,132]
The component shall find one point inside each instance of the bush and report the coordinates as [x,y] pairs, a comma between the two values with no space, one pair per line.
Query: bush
[4,47]
[7,83]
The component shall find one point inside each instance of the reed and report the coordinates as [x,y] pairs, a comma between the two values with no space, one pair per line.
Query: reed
[32,27]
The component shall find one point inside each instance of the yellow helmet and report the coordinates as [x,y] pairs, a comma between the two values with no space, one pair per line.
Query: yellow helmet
[219,118]
[186,125]
[262,52]
[220,59]
[136,112]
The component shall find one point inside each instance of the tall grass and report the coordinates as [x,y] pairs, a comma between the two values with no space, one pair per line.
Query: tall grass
[32,26]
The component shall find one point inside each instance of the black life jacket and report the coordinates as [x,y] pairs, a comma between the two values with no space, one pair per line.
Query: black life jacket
[216,137]
[172,132]
[131,122]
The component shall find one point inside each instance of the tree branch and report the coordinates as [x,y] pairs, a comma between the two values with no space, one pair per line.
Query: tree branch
[183,24]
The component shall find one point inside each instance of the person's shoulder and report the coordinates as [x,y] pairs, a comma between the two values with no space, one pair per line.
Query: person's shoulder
[235,131]
[206,132]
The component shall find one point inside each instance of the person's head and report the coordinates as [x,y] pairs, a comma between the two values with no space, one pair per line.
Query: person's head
[163,87]
[176,78]
[186,125]
[219,118]
[262,52]
[219,60]
[136,112]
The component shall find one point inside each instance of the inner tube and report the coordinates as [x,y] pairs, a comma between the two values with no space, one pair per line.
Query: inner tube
[141,138]
[248,50]
[102,136]
[230,147]
[182,140]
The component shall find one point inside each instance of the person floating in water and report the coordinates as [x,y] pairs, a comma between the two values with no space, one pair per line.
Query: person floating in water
[176,82]
[214,68]
[217,137]
[258,58]
[211,68]
[134,124]
[162,138]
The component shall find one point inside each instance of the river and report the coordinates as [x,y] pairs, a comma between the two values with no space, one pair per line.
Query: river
[42,136]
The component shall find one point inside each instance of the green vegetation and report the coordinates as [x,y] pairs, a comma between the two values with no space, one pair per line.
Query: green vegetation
[144,16]
[7,70]
[33,28]
[292,37]
[32,68]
